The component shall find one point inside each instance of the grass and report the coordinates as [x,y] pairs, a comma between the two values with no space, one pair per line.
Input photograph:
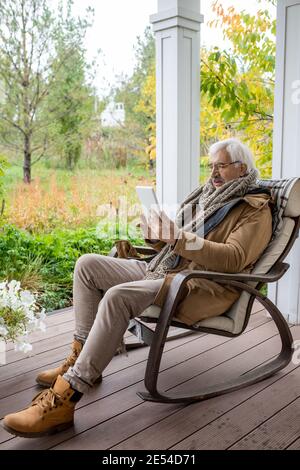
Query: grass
[63,199]
[57,198]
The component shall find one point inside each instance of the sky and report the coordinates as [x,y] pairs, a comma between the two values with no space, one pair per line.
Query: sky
[117,23]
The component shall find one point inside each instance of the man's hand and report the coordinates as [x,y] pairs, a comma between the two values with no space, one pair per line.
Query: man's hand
[159,227]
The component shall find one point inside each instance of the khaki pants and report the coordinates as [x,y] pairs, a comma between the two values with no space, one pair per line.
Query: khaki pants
[107,293]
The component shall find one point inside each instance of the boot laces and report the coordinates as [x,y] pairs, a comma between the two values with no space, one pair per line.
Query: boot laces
[47,399]
[71,359]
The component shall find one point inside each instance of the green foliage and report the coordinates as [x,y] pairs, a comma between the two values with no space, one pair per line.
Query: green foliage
[3,166]
[14,321]
[238,83]
[45,263]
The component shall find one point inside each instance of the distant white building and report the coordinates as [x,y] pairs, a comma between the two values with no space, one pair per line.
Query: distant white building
[113,115]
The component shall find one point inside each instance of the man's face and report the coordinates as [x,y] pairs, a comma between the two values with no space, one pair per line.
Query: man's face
[223,170]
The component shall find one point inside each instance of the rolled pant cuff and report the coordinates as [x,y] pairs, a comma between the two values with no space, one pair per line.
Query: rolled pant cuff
[76,382]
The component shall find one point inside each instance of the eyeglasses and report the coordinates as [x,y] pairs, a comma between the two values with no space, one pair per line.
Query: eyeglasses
[220,166]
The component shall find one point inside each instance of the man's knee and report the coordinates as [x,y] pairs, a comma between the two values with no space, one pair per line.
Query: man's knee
[115,294]
[126,299]
[118,299]
[87,263]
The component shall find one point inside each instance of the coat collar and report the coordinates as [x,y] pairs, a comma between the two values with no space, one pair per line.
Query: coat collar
[257,200]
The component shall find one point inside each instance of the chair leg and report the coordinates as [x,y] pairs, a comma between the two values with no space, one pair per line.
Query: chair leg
[249,378]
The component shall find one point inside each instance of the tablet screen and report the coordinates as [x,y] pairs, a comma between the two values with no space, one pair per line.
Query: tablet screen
[148,198]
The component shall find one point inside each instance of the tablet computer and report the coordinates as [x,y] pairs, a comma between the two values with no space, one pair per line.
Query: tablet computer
[148,199]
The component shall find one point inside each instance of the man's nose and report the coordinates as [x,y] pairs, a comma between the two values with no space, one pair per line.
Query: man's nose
[214,171]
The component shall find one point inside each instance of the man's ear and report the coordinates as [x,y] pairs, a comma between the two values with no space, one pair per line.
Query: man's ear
[243,169]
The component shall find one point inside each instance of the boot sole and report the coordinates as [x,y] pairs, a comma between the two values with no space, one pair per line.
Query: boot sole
[54,430]
[48,385]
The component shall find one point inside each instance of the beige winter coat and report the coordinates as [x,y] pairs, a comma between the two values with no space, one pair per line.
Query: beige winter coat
[232,247]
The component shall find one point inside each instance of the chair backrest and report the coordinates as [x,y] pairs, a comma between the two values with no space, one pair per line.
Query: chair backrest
[288,203]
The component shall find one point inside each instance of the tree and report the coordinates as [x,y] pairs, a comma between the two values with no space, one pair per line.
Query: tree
[237,84]
[29,69]
[70,104]
[138,95]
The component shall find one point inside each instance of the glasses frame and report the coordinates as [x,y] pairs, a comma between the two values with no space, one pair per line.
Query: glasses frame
[221,166]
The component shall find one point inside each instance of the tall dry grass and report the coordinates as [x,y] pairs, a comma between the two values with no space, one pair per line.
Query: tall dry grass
[45,205]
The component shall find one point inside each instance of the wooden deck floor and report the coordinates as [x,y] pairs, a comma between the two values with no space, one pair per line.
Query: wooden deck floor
[112,416]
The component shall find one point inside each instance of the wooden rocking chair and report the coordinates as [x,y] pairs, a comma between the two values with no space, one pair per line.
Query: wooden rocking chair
[269,268]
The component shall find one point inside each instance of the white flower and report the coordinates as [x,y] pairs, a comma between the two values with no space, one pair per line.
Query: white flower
[19,315]
[14,303]
[29,314]
[3,331]
[14,285]
[26,297]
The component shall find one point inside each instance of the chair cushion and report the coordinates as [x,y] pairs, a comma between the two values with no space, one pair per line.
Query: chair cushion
[237,312]
[293,205]
[220,323]
[275,248]
[151,312]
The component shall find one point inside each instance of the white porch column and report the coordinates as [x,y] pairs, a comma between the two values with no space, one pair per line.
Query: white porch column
[286,158]
[176,27]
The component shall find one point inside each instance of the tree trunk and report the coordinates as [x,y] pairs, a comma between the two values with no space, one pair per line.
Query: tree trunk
[27,160]
[69,161]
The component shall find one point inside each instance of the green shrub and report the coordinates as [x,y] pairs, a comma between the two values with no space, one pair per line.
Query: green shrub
[45,263]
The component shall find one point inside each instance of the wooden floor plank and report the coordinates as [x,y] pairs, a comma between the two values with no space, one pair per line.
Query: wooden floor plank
[226,430]
[122,378]
[27,380]
[14,377]
[115,399]
[55,325]
[122,362]
[14,358]
[279,431]
[51,331]
[45,351]
[59,352]
[295,445]
[171,378]
[137,419]
[179,426]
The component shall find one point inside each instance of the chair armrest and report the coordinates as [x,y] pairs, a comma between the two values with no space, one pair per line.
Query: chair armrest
[275,273]
[143,250]
[239,281]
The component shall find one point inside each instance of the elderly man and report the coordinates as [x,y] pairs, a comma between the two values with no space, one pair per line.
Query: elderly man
[228,235]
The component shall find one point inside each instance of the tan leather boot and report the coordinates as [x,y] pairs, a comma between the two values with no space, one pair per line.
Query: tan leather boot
[51,411]
[47,377]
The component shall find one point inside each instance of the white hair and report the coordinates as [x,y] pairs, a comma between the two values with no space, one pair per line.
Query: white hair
[237,151]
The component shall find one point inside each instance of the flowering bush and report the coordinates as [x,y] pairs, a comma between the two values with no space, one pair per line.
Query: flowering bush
[19,315]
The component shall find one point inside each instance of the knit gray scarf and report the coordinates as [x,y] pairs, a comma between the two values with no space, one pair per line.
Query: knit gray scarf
[193,213]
